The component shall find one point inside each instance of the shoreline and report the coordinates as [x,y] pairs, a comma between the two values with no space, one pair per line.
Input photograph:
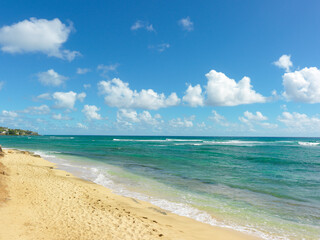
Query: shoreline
[47,203]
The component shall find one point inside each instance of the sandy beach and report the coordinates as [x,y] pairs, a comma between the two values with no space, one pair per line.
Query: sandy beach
[38,201]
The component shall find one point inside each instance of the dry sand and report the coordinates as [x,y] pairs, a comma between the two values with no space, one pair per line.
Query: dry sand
[38,201]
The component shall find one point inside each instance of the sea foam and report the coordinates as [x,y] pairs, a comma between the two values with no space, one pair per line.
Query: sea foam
[308,143]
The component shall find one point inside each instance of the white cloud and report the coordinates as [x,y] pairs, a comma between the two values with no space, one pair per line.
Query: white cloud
[298,122]
[248,116]
[90,111]
[67,99]
[201,125]
[284,62]
[219,119]
[118,94]
[51,78]
[186,24]
[224,91]
[81,96]
[160,47]
[80,125]
[37,35]
[268,125]
[178,122]
[45,96]
[86,86]
[194,96]
[70,55]
[105,69]
[302,85]
[83,70]
[127,117]
[124,115]
[41,110]
[10,114]
[142,25]
[157,116]
[60,117]
[1,84]
[284,107]
[251,119]
[146,117]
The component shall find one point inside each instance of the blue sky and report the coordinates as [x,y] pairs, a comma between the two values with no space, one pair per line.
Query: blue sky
[248,68]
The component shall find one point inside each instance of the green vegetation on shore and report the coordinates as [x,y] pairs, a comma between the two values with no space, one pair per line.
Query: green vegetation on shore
[16,132]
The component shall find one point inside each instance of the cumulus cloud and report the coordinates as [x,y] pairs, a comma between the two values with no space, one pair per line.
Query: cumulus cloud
[193,96]
[186,24]
[128,117]
[44,96]
[87,86]
[40,110]
[178,122]
[82,126]
[81,96]
[219,119]
[303,85]
[60,117]
[51,78]
[10,114]
[1,84]
[284,107]
[11,118]
[160,47]
[106,69]
[90,111]
[67,99]
[37,35]
[284,62]
[251,119]
[248,117]
[299,122]
[224,91]
[142,25]
[118,94]
[201,125]
[83,70]
[146,117]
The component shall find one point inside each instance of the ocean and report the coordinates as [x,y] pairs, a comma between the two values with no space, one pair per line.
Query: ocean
[268,187]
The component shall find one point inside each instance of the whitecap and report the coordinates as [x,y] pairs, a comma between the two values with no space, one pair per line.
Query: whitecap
[308,143]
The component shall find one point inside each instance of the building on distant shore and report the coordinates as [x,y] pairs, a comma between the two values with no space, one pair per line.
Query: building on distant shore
[16,132]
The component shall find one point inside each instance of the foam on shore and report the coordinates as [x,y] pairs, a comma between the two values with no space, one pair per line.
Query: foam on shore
[47,203]
[99,174]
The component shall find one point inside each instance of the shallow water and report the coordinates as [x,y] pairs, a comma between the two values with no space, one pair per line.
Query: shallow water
[266,186]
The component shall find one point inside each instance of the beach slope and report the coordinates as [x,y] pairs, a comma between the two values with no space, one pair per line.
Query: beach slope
[38,201]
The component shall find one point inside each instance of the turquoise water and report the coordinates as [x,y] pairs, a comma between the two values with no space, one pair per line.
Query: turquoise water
[265,186]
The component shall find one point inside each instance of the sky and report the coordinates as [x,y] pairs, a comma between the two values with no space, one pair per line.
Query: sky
[155,67]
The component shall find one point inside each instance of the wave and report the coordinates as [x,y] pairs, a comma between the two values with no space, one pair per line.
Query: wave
[138,140]
[308,143]
[100,176]
[226,143]
[204,142]
[235,142]
[55,137]
[49,155]
[195,142]
[181,209]
[157,140]
[183,140]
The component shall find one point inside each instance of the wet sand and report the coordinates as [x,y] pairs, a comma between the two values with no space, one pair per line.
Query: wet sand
[38,201]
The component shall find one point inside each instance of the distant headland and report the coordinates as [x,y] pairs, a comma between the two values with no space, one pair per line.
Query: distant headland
[16,132]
